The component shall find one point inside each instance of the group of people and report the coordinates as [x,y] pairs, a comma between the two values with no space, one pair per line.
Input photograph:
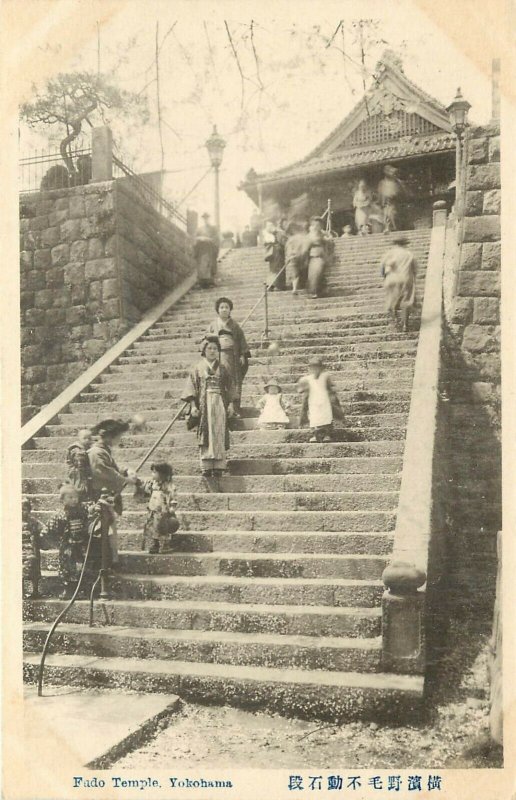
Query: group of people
[303,251]
[212,395]
[378,211]
[94,485]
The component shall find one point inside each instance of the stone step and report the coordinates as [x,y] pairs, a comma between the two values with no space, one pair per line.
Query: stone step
[179,438]
[63,434]
[363,520]
[257,466]
[356,408]
[154,349]
[252,449]
[239,564]
[219,647]
[316,482]
[285,371]
[317,694]
[238,501]
[251,391]
[314,621]
[212,541]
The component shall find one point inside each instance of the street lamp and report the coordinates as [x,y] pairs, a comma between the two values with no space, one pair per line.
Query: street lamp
[458,116]
[215,146]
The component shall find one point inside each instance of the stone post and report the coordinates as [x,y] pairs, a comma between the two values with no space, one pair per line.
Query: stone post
[403,634]
[440,213]
[101,154]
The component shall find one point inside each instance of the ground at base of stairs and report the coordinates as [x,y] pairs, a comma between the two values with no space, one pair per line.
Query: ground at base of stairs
[90,727]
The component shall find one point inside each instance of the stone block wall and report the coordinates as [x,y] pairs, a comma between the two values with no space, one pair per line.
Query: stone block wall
[471,376]
[93,259]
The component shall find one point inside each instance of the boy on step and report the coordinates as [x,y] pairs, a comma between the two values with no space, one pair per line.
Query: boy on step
[70,528]
[320,402]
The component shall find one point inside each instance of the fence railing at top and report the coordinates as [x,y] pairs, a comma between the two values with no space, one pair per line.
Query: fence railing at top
[44,170]
[148,192]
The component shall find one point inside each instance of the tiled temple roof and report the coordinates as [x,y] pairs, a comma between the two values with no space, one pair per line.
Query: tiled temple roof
[402,148]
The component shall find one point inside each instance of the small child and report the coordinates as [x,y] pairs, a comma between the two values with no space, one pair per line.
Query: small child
[273,408]
[161,522]
[79,470]
[33,540]
[320,402]
[70,528]
[347,232]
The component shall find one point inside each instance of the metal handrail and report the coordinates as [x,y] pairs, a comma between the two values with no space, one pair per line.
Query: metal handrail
[93,527]
[148,190]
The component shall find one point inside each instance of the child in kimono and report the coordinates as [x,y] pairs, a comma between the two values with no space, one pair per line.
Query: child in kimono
[33,540]
[273,408]
[161,522]
[70,528]
[320,402]
[79,470]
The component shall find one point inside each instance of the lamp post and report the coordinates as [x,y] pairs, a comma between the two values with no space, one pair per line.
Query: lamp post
[215,146]
[458,115]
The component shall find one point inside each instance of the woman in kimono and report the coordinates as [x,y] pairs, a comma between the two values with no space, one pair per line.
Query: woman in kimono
[209,391]
[362,200]
[234,351]
[318,257]
[274,240]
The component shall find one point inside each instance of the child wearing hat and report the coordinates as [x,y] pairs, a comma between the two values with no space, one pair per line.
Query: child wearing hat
[320,402]
[161,522]
[273,407]
[33,540]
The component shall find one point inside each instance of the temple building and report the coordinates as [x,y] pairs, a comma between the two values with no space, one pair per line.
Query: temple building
[395,124]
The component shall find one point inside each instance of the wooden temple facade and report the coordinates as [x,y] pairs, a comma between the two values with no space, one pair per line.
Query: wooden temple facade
[395,123]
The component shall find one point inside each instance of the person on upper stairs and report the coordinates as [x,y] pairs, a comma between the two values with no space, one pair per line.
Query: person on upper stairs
[274,240]
[362,199]
[320,402]
[234,350]
[347,232]
[105,473]
[209,391]
[206,252]
[392,194]
[320,248]
[398,268]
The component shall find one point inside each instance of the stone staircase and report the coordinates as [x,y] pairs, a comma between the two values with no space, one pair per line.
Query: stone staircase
[273,598]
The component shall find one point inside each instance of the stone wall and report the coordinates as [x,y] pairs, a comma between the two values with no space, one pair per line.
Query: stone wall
[471,377]
[93,259]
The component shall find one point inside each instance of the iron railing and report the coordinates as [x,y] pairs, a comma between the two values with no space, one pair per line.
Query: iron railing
[35,168]
[148,192]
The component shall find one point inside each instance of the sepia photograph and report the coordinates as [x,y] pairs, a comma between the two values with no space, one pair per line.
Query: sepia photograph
[255,513]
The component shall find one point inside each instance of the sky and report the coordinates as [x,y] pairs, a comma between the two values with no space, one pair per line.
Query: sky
[296,73]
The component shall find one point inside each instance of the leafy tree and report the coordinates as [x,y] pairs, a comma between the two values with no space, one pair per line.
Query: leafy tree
[70,99]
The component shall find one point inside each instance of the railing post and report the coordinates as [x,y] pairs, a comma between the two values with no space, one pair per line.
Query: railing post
[106,518]
[440,213]
[101,154]
[265,337]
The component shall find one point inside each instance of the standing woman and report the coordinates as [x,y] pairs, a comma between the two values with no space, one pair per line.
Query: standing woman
[318,257]
[274,240]
[209,390]
[362,200]
[234,350]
